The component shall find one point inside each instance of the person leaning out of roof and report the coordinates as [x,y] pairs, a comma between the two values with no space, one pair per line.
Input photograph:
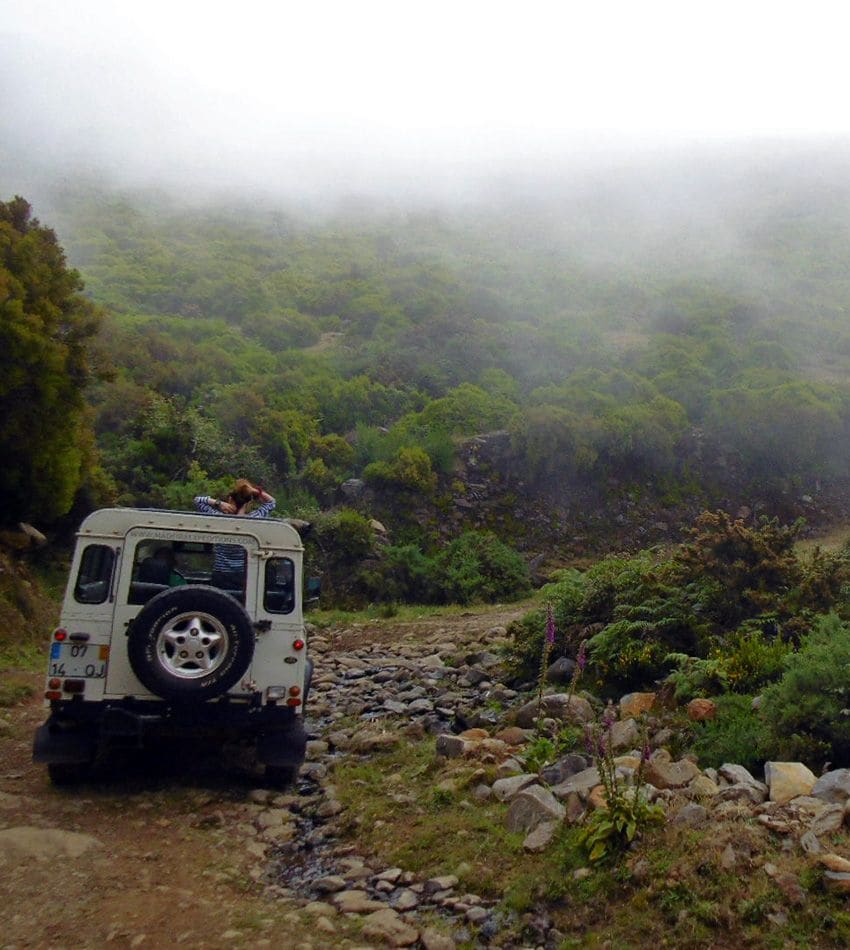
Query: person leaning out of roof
[239,501]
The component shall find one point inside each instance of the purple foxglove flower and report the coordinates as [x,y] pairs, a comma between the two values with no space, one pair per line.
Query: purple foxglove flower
[550,625]
[646,754]
[609,717]
[581,659]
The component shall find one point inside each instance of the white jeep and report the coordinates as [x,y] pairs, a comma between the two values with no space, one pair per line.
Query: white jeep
[153,644]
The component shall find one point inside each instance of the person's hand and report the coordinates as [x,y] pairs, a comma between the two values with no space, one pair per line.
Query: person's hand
[227,508]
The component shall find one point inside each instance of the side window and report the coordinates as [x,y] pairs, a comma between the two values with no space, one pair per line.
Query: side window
[279,595]
[95,573]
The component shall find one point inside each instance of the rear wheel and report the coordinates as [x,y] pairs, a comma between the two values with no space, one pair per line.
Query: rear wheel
[281,776]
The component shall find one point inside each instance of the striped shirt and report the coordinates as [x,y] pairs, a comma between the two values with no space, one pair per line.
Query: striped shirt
[230,558]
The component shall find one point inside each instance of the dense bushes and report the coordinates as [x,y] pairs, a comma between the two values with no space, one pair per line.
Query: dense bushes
[807,713]
[721,611]
[474,568]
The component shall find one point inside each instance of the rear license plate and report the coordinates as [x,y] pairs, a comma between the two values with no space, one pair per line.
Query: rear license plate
[84,660]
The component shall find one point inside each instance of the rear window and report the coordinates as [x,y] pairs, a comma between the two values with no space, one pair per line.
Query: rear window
[279,595]
[95,574]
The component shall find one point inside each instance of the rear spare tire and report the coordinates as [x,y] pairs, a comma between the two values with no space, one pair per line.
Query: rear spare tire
[190,643]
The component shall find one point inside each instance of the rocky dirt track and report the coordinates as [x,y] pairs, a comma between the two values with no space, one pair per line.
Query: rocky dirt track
[157,853]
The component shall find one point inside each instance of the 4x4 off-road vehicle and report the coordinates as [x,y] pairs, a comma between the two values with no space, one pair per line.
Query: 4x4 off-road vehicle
[155,644]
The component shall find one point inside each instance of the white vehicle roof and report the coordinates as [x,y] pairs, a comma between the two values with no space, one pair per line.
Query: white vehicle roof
[117,522]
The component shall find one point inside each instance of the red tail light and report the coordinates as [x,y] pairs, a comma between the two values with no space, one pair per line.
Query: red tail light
[298,644]
[60,634]
[293,702]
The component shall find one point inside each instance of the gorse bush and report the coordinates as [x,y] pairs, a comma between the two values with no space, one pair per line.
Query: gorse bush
[807,713]
[479,568]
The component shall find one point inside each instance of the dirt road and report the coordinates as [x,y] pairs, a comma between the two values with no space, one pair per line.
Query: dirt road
[158,854]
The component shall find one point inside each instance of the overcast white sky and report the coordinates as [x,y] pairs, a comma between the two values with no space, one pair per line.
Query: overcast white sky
[324,89]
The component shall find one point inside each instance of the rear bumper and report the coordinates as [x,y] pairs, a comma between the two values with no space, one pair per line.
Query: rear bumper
[76,732]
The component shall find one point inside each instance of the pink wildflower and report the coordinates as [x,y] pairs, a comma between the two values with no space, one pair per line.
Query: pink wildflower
[550,625]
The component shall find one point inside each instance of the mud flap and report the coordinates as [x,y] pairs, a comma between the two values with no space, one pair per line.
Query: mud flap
[54,745]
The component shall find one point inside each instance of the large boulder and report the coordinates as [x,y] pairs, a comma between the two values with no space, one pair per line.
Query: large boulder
[561,706]
[833,787]
[787,780]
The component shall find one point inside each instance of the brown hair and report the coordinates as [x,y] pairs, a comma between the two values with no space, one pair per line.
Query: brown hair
[243,492]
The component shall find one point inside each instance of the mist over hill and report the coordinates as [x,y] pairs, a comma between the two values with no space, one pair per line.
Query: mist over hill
[671,328]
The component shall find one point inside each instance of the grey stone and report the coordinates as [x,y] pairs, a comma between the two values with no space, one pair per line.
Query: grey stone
[541,836]
[828,820]
[405,900]
[561,671]
[564,768]
[355,902]
[506,788]
[452,747]
[692,816]
[663,774]
[387,926]
[625,734]
[582,782]
[531,807]
[738,775]
[560,706]
[742,792]
[833,787]
[434,940]
[810,844]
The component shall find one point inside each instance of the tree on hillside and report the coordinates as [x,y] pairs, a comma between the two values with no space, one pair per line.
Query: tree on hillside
[45,328]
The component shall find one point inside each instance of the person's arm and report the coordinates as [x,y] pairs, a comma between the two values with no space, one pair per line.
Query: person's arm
[266,507]
[207,505]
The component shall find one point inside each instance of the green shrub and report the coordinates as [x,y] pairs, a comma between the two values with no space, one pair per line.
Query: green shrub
[409,470]
[736,734]
[477,567]
[403,574]
[751,659]
[806,712]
